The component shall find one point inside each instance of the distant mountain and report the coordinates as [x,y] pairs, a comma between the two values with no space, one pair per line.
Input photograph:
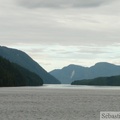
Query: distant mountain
[22,59]
[101,81]
[74,72]
[12,74]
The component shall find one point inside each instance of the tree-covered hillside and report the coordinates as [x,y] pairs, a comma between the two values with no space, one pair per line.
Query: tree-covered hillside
[102,81]
[21,58]
[12,74]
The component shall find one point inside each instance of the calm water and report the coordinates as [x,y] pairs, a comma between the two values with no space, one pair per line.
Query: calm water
[68,86]
[64,86]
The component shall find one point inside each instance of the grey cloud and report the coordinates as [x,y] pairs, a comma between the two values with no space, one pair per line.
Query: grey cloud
[36,51]
[97,50]
[61,3]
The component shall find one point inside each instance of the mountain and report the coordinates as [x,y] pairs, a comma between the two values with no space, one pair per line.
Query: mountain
[22,59]
[12,74]
[75,72]
[101,81]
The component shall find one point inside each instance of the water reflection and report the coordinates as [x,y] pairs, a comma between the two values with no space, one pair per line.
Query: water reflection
[68,86]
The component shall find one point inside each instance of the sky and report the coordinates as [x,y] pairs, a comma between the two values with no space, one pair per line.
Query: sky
[56,33]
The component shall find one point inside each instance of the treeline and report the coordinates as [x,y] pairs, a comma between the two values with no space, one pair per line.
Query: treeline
[101,81]
[12,74]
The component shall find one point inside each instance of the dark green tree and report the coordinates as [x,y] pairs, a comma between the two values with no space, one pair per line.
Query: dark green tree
[12,74]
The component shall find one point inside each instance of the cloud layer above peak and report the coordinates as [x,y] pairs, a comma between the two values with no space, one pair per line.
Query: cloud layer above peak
[61,3]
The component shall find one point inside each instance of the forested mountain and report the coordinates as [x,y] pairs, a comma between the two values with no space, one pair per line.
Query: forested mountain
[101,81]
[71,73]
[12,74]
[22,59]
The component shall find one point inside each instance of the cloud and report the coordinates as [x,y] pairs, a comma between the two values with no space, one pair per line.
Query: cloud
[57,37]
[61,3]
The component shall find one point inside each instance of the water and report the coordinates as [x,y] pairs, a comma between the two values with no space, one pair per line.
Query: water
[58,102]
[68,86]
[64,86]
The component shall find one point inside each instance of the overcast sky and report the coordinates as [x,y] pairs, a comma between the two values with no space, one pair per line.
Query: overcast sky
[56,33]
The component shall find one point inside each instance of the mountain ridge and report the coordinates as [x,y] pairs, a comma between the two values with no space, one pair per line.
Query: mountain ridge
[21,58]
[78,72]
